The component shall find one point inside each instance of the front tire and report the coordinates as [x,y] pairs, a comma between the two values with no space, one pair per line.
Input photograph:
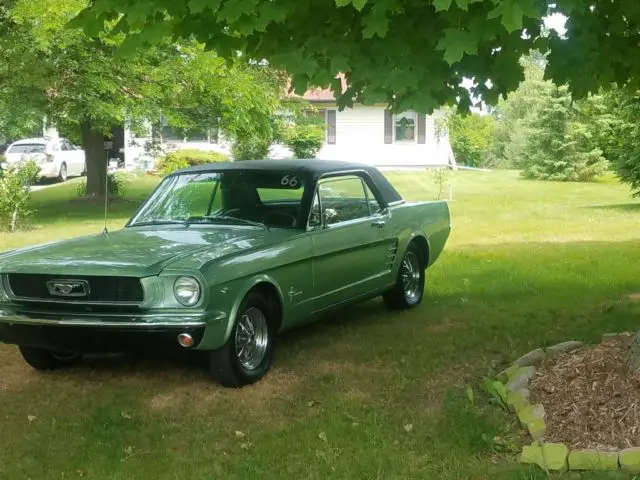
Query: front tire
[248,353]
[41,359]
[408,290]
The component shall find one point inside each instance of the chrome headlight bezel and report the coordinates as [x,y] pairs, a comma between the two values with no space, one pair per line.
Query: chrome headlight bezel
[187,284]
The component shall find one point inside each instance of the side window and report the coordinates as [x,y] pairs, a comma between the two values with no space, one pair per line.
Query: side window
[65,145]
[374,205]
[343,199]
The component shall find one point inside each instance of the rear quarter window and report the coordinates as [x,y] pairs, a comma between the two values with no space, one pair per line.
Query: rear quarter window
[27,148]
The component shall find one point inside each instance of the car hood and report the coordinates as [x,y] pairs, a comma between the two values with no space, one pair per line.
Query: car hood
[139,252]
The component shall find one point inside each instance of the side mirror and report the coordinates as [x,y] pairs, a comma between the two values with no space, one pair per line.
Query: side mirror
[329,215]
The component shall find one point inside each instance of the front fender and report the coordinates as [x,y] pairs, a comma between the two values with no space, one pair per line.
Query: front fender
[216,335]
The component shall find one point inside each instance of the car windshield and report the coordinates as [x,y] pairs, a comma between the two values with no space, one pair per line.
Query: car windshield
[243,197]
[27,148]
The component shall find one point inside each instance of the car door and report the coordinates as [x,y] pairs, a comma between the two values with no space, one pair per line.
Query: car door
[351,245]
[75,164]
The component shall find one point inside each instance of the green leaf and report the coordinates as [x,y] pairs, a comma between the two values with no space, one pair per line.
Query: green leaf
[441,5]
[359,4]
[456,43]
[375,25]
[198,6]
[470,395]
[501,391]
[512,11]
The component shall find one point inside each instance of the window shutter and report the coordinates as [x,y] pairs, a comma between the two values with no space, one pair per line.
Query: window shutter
[331,127]
[388,126]
[422,128]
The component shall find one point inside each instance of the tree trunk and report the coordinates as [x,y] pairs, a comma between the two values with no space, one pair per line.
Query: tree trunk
[95,157]
[633,354]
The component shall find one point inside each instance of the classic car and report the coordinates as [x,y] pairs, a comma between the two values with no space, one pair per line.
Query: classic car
[219,259]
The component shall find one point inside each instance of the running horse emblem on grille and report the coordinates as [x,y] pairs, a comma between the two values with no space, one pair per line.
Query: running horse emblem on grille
[68,288]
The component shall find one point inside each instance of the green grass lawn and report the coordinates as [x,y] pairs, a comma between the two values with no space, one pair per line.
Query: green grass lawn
[528,264]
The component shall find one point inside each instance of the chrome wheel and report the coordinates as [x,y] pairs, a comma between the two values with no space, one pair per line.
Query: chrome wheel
[252,338]
[410,276]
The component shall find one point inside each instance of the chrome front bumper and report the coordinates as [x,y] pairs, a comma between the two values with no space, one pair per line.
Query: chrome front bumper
[105,333]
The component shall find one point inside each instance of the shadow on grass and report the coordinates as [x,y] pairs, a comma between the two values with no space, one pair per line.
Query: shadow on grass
[61,204]
[621,207]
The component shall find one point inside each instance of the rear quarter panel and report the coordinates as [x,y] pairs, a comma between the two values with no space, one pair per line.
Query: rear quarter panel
[428,219]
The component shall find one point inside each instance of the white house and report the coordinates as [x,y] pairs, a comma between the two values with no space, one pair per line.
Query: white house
[372,135]
[366,134]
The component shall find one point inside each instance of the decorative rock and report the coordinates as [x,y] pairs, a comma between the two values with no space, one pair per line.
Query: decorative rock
[531,413]
[537,428]
[519,399]
[532,358]
[550,456]
[593,460]
[507,373]
[630,460]
[520,379]
[563,347]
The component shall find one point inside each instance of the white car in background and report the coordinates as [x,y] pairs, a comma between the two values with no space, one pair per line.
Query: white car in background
[57,158]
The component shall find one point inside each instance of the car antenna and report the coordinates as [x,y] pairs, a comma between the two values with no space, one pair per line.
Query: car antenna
[106,194]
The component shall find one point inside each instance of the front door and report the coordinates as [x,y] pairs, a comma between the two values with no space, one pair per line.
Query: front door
[72,157]
[351,246]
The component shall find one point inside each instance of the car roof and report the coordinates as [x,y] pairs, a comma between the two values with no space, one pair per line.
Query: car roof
[312,168]
[30,141]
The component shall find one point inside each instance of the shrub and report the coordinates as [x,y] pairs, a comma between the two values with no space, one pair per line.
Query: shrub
[179,159]
[15,193]
[471,139]
[250,149]
[117,185]
[305,140]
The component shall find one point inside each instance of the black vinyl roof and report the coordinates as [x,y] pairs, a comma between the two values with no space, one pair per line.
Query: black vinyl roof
[310,168]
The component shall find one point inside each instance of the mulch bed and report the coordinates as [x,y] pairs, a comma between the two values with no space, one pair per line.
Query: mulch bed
[590,399]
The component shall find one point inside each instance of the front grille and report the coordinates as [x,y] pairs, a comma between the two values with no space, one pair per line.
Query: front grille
[35,287]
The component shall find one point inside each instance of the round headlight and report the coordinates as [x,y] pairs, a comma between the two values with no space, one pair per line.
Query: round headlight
[187,291]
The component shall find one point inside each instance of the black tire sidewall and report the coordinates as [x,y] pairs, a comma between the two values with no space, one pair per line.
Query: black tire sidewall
[413,248]
[42,359]
[244,376]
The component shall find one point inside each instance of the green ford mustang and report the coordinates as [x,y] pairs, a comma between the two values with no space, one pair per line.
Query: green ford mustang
[219,259]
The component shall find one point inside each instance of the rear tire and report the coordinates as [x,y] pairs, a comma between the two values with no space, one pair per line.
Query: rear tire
[408,290]
[63,175]
[248,353]
[42,359]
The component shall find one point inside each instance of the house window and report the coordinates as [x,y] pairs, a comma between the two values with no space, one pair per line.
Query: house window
[328,119]
[404,127]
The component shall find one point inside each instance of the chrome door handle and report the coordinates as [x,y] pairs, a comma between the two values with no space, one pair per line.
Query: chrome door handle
[378,223]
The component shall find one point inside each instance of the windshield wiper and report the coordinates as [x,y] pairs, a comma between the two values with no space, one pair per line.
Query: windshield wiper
[160,222]
[234,219]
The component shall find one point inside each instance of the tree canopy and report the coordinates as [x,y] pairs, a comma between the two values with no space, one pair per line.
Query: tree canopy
[409,53]
[81,83]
